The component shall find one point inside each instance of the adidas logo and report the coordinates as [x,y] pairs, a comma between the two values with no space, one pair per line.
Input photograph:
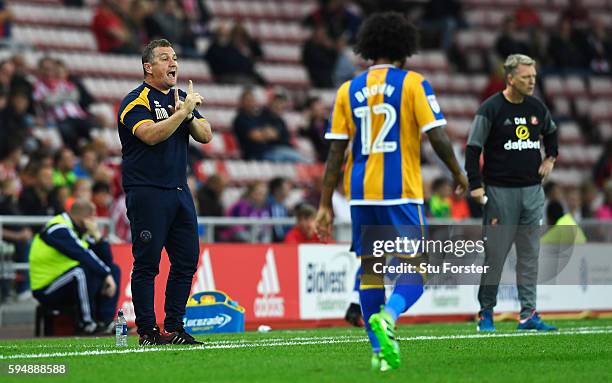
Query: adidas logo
[507,122]
[205,279]
[267,304]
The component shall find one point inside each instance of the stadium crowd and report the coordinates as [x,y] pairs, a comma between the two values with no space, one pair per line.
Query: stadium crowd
[77,155]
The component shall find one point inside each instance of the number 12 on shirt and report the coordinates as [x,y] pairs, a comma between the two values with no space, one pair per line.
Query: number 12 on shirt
[364,113]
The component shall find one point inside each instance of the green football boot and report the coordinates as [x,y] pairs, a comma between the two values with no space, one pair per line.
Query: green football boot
[383,327]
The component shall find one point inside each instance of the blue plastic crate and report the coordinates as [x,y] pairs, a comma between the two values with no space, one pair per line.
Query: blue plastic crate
[213,312]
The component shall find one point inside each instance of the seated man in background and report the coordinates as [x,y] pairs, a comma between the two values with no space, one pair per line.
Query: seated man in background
[70,263]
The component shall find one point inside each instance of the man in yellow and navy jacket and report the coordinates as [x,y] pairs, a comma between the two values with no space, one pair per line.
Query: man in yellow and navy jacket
[71,263]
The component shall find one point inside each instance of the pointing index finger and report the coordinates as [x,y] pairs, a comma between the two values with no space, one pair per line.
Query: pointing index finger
[176,96]
[190,87]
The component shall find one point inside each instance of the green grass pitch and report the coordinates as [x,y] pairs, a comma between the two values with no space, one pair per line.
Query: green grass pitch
[580,351]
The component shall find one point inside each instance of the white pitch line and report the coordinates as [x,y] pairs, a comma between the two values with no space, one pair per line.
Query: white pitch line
[462,333]
[220,341]
[302,342]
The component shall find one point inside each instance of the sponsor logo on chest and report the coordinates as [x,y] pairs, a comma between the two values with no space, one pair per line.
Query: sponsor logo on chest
[522,134]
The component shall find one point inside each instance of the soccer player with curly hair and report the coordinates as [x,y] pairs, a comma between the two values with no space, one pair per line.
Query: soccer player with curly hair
[383,113]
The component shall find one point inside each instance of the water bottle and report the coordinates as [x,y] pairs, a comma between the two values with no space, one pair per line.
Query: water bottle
[121,330]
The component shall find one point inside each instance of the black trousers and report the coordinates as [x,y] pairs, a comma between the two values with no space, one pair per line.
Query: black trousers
[162,218]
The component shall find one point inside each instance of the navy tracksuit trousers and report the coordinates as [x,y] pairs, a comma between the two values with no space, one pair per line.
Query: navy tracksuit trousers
[162,218]
[81,286]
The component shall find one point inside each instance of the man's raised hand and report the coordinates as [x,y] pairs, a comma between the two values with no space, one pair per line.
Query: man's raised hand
[178,104]
[193,99]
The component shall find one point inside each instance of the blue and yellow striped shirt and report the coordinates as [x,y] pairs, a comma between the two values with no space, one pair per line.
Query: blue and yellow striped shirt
[384,111]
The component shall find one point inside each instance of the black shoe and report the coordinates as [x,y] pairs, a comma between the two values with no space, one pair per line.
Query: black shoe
[353,315]
[153,337]
[180,336]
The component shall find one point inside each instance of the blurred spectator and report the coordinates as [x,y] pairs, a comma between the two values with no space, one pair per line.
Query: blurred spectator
[5,21]
[232,54]
[554,212]
[319,55]
[59,99]
[38,159]
[457,56]
[88,163]
[37,199]
[526,17]
[10,155]
[440,202]
[173,25]
[278,147]
[198,16]
[304,229]
[248,129]
[278,189]
[316,120]
[496,82]
[344,69]
[604,212]
[61,196]
[444,204]
[251,204]
[372,6]
[63,174]
[82,188]
[85,99]
[602,170]
[599,48]
[590,197]
[19,236]
[22,70]
[7,69]
[210,195]
[553,192]
[73,3]
[210,200]
[576,14]
[102,198]
[15,121]
[537,42]
[312,196]
[573,201]
[508,41]
[263,136]
[111,33]
[564,52]
[142,24]
[563,229]
[440,20]
[336,17]
[460,209]
[22,80]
